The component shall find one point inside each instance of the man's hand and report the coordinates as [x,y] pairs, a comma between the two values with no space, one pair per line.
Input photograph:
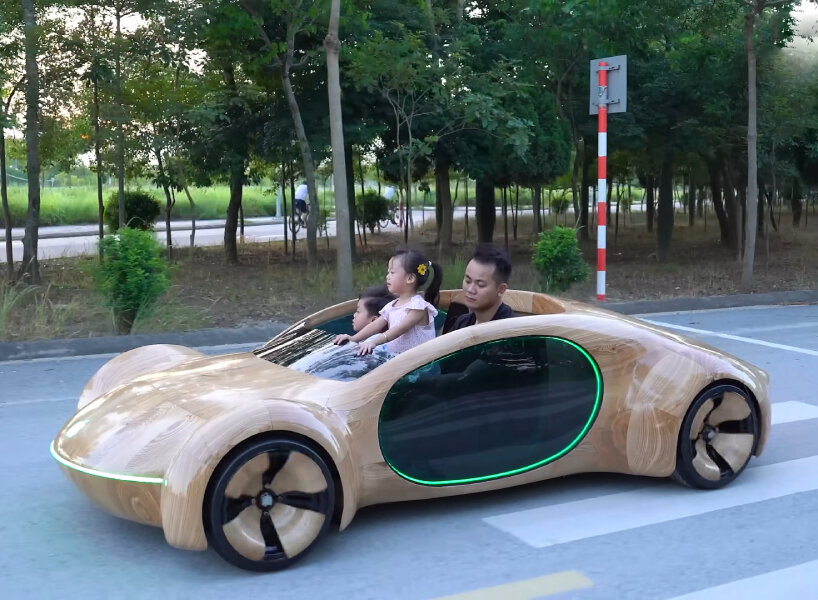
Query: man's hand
[341,339]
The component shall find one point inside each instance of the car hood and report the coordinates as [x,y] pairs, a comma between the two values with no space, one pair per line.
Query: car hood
[138,427]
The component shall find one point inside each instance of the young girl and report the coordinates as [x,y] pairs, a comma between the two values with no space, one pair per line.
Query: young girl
[410,320]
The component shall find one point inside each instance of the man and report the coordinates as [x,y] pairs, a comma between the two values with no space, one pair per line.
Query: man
[484,283]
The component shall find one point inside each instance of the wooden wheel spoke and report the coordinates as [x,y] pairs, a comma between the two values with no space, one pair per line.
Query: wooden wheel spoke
[234,506]
[704,464]
[698,422]
[316,502]
[277,461]
[734,449]
[273,546]
[733,407]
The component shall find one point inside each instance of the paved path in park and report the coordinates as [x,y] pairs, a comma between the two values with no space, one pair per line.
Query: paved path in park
[77,240]
[594,537]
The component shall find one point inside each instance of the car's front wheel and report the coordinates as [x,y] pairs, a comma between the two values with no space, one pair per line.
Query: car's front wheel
[719,434]
[268,503]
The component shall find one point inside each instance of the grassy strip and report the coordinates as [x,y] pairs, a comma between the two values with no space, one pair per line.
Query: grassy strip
[71,206]
[78,205]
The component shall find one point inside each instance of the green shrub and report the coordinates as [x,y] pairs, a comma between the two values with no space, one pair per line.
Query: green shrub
[560,202]
[132,275]
[558,259]
[371,208]
[141,210]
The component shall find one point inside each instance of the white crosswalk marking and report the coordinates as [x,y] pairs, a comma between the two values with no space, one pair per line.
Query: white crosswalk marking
[791,411]
[610,513]
[794,582]
[572,521]
[737,338]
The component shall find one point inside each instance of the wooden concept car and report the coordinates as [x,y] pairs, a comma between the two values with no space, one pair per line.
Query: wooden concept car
[258,455]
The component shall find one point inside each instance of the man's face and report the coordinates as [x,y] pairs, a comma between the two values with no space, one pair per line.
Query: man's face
[480,288]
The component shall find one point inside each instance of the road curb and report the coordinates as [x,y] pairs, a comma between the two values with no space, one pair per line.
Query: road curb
[713,302]
[261,332]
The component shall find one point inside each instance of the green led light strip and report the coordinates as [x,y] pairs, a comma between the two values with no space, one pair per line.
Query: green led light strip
[569,447]
[103,474]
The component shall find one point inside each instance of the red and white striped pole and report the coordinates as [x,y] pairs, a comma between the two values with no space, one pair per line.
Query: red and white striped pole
[602,183]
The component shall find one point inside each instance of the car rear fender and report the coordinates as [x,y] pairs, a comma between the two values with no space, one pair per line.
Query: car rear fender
[187,478]
[129,365]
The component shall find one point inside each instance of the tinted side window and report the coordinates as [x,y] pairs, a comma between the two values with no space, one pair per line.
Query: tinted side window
[490,411]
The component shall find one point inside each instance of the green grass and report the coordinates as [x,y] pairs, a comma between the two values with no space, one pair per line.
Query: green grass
[71,206]
[78,205]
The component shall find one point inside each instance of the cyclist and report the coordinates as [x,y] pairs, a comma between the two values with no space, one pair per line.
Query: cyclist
[301,208]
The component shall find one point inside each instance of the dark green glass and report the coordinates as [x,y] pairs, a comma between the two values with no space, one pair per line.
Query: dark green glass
[490,411]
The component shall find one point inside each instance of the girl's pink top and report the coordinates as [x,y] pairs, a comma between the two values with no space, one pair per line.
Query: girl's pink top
[417,334]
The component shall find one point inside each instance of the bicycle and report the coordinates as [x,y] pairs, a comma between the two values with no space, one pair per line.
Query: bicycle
[298,219]
[391,217]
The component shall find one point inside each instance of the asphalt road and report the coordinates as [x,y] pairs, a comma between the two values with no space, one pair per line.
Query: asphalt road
[598,537]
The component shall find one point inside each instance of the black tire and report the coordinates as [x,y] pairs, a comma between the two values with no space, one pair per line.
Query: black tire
[257,527]
[718,436]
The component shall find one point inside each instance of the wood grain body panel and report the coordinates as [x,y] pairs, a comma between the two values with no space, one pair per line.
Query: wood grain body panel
[180,422]
[129,365]
[133,501]
[190,472]
[649,381]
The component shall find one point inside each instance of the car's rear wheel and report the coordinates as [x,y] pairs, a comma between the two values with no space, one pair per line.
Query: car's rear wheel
[268,504]
[719,434]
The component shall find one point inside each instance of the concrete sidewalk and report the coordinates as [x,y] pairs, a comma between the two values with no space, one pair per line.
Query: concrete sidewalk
[261,332]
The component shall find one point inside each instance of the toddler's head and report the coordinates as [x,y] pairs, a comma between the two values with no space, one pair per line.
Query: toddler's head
[409,270]
[369,306]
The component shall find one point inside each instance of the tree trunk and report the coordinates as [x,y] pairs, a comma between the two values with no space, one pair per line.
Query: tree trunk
[232,222]
[30,269]
[466,199]
[650,202]
[752,157]
[350,187]
[691,203]
[5,199]
[664,221]
[443,196]
[504,195]
[484,210]
[584,234]
[536,206]
[343,262]
[797,208]
[284,207]
[515,211]
[192,220]
[306,155]
[731,207]
[618,202]
[169,202]
[714,170]
[98,161]
[579,157]
[292,206]
[120,118]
